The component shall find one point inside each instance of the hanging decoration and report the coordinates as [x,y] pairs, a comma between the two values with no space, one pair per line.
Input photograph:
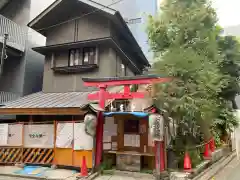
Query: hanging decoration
[156,126]
[90,121]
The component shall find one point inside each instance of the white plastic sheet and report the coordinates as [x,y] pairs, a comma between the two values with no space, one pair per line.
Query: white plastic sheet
[39,136]
[82,141]
[15,134]
[3,134]
[64,135]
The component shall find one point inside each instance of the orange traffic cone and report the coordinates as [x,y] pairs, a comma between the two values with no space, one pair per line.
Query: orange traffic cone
[212,145]
[207,153]
[187,162]
[84,171]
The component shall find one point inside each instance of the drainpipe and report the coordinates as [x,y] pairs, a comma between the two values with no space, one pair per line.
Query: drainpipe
[3,55]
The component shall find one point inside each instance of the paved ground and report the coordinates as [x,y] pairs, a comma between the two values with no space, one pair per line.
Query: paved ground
[230,172]
[120,175]
[11,178]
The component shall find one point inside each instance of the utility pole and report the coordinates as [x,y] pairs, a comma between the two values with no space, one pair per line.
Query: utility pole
[3,54]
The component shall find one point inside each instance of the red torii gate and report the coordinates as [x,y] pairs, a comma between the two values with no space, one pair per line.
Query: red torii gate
[103,95]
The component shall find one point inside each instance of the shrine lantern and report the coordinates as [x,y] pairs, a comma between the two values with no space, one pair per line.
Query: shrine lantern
[90,121]
[156,127]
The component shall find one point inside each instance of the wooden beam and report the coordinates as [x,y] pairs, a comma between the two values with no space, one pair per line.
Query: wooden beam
[127,82]
[108,95]
[41,111]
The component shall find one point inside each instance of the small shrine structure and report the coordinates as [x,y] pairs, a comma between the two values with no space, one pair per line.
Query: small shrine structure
[131,128]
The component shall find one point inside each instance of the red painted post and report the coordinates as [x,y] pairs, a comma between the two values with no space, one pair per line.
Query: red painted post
[157,157]
[99,133]
[127,90]
[102,98]
[162,156]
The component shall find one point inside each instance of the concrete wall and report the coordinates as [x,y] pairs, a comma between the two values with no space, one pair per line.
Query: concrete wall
[117,64]
[18,11]
[54,82]
[12,77]
[34,65]
[23,75]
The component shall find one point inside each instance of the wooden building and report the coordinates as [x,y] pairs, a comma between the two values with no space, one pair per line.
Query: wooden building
[83,39]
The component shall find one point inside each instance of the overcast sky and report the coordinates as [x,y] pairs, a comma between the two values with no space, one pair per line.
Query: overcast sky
[228,11]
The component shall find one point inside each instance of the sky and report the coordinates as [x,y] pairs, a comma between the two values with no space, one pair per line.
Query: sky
[228,12]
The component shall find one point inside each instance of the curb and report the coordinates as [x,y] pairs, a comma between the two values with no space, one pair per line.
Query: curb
[215,168]
[93,176]
[34,177]
[23,176]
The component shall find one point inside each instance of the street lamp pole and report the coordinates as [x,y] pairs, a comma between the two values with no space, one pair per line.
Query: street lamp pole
[3,54]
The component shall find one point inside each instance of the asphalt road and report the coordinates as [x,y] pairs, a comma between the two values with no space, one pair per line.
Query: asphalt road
[230,172]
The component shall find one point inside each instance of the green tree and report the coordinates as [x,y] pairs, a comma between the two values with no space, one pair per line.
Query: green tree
[229,48]
[184,39]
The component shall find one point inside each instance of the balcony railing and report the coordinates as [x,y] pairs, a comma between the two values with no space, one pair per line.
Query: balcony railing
[8,96]
[16,34]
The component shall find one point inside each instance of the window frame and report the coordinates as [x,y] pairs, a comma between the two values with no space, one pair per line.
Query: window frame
[87,50]
[78,56]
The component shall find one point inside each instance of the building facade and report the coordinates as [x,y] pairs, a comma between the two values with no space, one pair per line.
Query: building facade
[134,12]
[22,67]
[98,44]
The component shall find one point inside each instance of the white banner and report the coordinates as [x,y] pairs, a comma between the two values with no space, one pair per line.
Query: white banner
[64,135]
[39,136]
[82,141]
[15,135]
[3,134]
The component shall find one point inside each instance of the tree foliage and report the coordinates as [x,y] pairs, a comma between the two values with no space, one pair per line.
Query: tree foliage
[230,51]
[184,38]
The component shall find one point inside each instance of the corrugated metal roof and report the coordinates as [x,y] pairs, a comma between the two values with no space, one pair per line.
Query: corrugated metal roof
[50,100]
[54,100]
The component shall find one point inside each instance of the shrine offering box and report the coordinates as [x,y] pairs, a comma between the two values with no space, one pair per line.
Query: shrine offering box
[127,162]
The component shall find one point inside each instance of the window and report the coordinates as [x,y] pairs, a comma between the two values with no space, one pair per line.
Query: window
[123,70]
[131,126]
[83,56]
[90,55]
[74,57]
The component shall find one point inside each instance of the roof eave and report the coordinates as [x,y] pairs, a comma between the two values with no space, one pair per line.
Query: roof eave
[57,2]
[43,13]
[43,49]
[118,15]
